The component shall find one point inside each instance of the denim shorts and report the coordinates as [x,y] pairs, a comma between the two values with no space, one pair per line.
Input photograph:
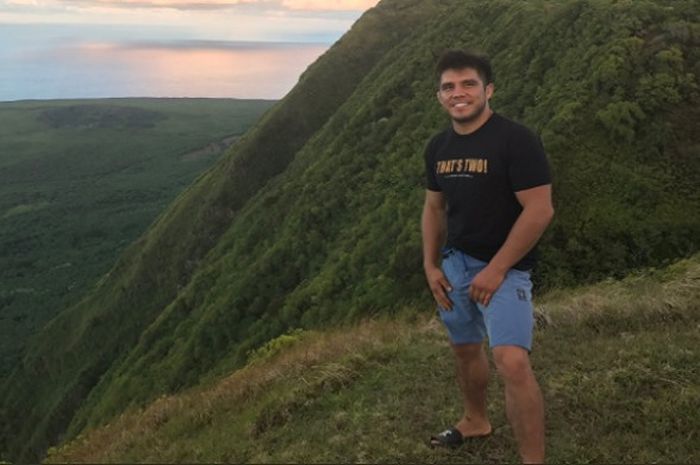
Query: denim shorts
[507,320]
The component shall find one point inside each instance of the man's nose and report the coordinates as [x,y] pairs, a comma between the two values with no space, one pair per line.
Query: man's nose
[459,92]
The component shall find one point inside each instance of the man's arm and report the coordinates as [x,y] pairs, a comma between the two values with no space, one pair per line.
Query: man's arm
[526,231]
[434,228]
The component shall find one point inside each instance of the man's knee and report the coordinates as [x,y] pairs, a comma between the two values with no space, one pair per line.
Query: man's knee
[467,352]
[513,363]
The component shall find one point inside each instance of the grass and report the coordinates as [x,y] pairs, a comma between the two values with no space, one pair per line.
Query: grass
[617,363]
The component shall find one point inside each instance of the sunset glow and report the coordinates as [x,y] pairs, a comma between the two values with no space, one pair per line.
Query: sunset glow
[264,72]
[84,48]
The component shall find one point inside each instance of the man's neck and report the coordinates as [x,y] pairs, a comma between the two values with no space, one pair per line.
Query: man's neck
[467,128]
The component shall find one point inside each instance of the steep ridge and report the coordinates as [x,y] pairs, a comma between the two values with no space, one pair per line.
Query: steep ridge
[75,349]
[333,235]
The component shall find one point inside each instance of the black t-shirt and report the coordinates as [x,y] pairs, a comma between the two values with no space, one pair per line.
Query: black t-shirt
[479,174]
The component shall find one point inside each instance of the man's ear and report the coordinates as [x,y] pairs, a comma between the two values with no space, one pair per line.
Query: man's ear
[437,94]
[489,90]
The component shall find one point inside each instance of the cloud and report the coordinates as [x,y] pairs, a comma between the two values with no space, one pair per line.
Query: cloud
[187,5]
[208,5]
[250,20]
[335,5]
[24,2]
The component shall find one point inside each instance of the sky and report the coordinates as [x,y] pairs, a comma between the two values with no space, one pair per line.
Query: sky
[52,49]
[320,21]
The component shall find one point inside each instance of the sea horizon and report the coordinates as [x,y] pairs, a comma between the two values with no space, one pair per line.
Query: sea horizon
[53,66]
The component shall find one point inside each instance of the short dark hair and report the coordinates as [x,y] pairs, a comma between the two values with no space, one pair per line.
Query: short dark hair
[460,59]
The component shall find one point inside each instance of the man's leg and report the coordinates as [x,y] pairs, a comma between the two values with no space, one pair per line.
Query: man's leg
[473,377]
[465,325]
[524,404]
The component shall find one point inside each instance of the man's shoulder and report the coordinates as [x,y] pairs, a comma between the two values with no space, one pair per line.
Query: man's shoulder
[438,140]
[440,136]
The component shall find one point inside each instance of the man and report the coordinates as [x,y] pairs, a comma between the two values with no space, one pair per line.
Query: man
[488,200]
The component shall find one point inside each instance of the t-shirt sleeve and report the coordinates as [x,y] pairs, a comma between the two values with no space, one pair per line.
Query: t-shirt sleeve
[528,165]
[430,178]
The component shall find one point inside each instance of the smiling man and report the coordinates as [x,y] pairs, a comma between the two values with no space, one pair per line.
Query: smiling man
[488,201]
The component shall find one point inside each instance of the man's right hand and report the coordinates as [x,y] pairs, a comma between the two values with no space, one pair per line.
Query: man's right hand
[439,286]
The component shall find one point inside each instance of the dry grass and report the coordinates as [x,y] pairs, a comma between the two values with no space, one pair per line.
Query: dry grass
[318,359]
[668,294]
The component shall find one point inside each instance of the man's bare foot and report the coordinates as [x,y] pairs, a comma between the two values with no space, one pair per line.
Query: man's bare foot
[471,428]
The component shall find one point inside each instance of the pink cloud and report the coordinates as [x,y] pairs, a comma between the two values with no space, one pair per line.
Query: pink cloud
[335,5]
[295,5]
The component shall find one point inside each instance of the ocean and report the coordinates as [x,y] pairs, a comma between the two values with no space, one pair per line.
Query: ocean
[36,63]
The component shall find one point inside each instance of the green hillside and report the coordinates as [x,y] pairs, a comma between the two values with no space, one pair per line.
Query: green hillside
[617,363]
[80,180]
[312,220]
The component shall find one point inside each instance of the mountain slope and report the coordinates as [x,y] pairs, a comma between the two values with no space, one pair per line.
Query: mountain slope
[324,229]
[71,354]
[615,360]
[82,179]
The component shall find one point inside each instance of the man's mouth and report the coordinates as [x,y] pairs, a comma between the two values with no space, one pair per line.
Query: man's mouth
[460,105]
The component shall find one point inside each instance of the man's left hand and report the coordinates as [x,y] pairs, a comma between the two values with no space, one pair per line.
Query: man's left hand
[485,284]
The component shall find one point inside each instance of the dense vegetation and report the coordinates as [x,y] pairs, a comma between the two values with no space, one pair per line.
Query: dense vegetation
[616,362]
[312,219]
[80,180]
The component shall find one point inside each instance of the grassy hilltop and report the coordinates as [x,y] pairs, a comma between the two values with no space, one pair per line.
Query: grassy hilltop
[81,179]
[312,220]
[617,362]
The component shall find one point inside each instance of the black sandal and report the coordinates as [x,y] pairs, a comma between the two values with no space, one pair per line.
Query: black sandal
[451,437]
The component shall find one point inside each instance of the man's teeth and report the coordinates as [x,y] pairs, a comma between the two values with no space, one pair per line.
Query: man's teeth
[460,105]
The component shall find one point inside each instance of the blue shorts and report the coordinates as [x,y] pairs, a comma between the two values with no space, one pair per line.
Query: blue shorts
[507,320]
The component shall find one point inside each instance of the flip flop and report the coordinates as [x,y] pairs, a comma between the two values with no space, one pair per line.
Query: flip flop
[451,437]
